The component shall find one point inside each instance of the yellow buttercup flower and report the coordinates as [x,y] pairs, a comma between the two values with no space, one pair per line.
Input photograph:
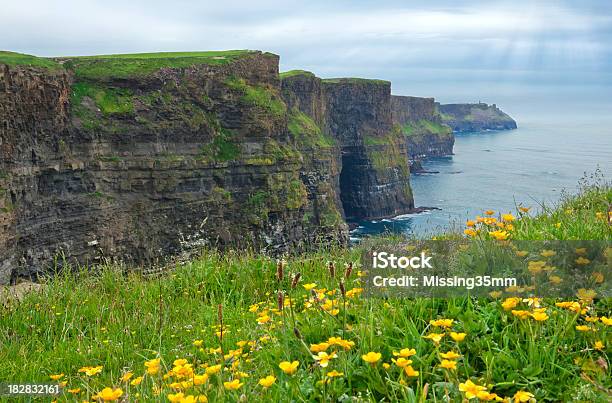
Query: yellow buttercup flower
[56,377]
[153,366]
[309,286]
[289,368]
[521,253]
[470,232]
[435,337]
[471,389]
[200,379]
[233,385]
[334,374]
[539,316]
[74,391]
[109,394]
[583,328]
[522,396]
[126,377]
[445,323]
[136,381]
[267,381]
[508,217]
[598,345]
[510,303]
[198,343]
[521,314]
[317,348]
[500,235]
[606,321]
[548,253]
[91,371]
[457,336]
[409,371]
[213,369]
[451,355]
[448,364]
[582,261]
[401,362]
[470,223]
[489,212]
[371,358]
[323,358]
[524,209]
[405,352]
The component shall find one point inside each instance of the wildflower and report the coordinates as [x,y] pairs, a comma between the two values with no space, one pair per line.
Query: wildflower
[470,223]
[91,371]
[522,396]
[470,232]
[136,381]
[599,345]
[109,394]
[263,319]
[213,369]
[409,371]
[582,261]
[152,366]
[267,381]
[334,373]
[457,336]
[446,323]
[536,266]
[56,377]
[548,253]
[508,217]
[470,389]
[500,235]
[489,212]
[583,328]
[200,379]
[524,209]
[495,294]
[598,277]
[289,368]
[354,292]
[490,220]
[533,301]
[521,314]
[448,364]
[586,295]
[233,385]
[580,251]
[346,344]
[126,377]
[510,303]
[591,319]
[317,348]
[521,253]
[401,362]
[386,365]
[371,358]
[606,321]
[198,343]
[74,391]
[451,355]
[555,279]
[558,225]
[435,337]
[539,316]
[405,352]
[323,358]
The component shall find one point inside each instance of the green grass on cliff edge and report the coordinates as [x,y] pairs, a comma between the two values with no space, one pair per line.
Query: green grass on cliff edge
[295,73]
[355,80]
[20,59]
[97,331]
[105,67]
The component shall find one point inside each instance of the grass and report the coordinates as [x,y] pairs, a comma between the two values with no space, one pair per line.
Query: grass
[124,66]
[258,96]
[223,309]
[108,100]
[20,59]
[306,132]
[423,126]
[294,73]
[351,80]
[222,148]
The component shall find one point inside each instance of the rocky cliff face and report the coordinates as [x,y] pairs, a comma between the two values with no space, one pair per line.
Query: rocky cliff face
[356,115]
[475,117]
[426,135]
[141,157]
[142,166]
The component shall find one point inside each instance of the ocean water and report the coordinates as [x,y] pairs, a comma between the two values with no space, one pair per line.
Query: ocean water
[499,170]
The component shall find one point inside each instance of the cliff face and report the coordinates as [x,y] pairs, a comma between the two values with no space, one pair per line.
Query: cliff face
[356,115]
[419,121]
[140,166]
[475,117]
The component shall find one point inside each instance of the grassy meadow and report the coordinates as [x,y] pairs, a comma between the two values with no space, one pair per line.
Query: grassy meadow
[240,326]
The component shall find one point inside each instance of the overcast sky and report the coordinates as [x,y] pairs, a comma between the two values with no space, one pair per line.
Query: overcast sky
[455,50]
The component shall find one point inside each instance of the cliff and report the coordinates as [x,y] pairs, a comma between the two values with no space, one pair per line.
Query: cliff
[421,124]
[138,157]
[475,117]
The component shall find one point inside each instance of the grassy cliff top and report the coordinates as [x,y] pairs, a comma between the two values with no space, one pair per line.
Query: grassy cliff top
[353,80]
[20,59]
[103,67]
[294,73]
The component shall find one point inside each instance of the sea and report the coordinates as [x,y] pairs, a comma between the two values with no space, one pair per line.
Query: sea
[536,165]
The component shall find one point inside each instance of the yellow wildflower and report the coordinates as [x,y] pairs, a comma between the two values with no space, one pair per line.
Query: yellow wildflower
[409,371]
[405,352]
[289,368]
[448,364]
[317,348]
[582,261]
[267,381]
[521,314]
[91,371]
[371,358]
[56,377]
[457,336]
[522,396]
[198,343]
[213,369]
[451,355]
[435,337]
[606,321]
[401,362]
[334,373]
[471,389]
[445,323]
[127,376]
[233,385]
[510,303]
[136,381]
[152,366]
[323,358]
[109,394]
[599,345]
[508,217]
[583,328]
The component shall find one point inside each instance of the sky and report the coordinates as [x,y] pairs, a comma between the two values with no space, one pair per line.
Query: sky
[518,54]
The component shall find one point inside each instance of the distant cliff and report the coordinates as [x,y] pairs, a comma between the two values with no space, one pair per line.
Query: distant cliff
[419,121]
[475,117]
[139,157]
